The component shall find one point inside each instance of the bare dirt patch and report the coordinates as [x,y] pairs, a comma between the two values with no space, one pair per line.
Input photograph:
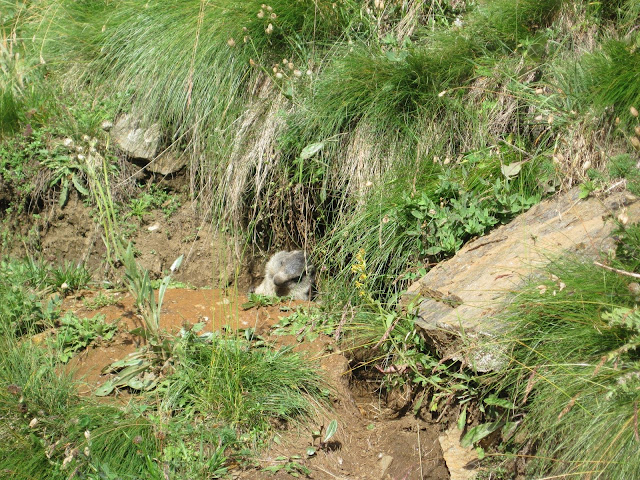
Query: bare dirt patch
[71,234]
[370,443]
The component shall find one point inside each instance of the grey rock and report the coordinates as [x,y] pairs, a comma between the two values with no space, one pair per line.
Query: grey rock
[167,163]
[457,303]
[136,139]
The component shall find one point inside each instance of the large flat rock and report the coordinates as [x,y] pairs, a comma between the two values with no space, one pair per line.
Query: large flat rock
[457,301]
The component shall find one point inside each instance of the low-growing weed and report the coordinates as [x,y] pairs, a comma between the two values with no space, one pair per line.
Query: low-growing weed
[75,334]
[66,170]
[256,300]
[25,306]
[100,300]
[154,198]
[306,324]
[291,465]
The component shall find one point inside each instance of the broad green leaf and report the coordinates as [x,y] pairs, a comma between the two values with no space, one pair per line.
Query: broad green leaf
[499,402]
[105,389]
[311,451]
[310,150]
[198,326]
[512,169]
[64,193]
[79,186]
[176,264]
[331,430]
[478,432]
[141,332]
[462,419]
[125,362]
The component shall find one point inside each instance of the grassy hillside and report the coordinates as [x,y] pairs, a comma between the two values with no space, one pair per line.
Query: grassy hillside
[319,110]
[380,136]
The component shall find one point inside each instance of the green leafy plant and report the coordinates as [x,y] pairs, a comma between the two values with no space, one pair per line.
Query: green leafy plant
[25,306]
[140,286]
[323,440]
[75,334]
[142,369]
[256,300]
[70,277]
[67,171]
[291,465]
[306,324]
[155,197]
[99,301]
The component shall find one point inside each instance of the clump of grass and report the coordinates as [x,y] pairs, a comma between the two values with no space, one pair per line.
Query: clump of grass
[30,388]
[574,369]
[247,384]
[70,276]
[9,109]
[196,39]
[614,72]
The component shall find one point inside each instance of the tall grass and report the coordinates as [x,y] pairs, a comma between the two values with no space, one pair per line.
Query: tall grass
[195,66]
[614,74]
[574,369]
[246,385]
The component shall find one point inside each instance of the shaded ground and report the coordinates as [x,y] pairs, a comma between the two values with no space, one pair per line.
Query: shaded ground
[370,442]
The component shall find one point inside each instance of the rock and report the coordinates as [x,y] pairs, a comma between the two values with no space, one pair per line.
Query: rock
[135,139]
[167,163]
[384,463]
[457,301]
[460,461]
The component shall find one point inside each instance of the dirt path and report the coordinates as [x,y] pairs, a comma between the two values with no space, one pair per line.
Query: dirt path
[369,445]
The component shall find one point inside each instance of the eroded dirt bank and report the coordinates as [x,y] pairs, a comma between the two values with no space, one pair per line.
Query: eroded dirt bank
[72,234]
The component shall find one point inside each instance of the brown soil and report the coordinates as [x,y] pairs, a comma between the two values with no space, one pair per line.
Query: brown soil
[70,234]
[370,443]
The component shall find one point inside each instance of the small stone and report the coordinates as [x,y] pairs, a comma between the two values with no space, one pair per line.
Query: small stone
[384,463]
